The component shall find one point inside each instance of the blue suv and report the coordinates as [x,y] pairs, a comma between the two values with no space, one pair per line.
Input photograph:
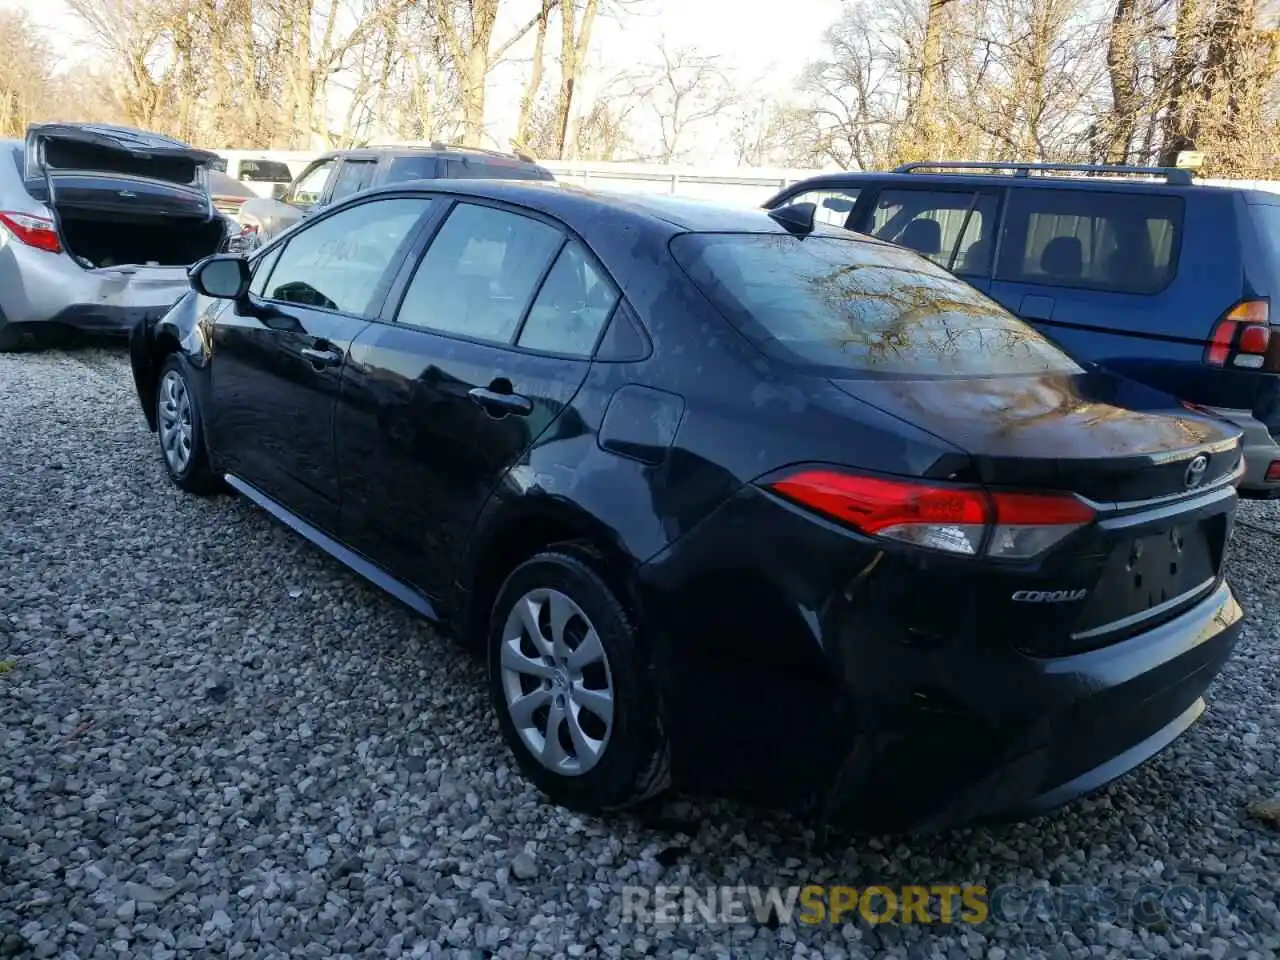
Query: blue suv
[1141,270]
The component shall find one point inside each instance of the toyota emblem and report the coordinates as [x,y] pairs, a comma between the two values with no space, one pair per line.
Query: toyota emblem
[1196,470]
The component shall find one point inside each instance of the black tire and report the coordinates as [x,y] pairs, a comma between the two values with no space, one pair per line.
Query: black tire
[634,764]
[17,337]
[195,474]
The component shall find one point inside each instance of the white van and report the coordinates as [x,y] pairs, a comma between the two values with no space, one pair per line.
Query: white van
[265,177]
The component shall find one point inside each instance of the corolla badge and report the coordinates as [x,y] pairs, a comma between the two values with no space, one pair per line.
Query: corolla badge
[1196,470]
[1049,596]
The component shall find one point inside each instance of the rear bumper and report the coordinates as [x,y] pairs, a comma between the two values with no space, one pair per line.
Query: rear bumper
[1106,712]
[38,287]
[799,663]
[1260,449]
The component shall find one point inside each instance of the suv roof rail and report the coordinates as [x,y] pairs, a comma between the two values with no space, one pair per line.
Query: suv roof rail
[462,148]
[438,145]
[1174,175]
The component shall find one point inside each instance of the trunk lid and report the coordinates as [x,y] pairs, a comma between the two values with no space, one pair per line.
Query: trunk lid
[1108,439]
[93,166]
[1159,476]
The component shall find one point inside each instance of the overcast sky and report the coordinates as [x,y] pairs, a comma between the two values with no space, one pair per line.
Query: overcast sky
[758,42]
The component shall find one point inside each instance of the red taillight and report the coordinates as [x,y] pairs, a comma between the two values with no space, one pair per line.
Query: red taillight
[1273,472]
[956,519]
[37,232]
[1242,337]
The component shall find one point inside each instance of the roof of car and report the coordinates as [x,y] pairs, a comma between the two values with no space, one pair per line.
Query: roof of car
[579,207]
[427,150]
[1042,182]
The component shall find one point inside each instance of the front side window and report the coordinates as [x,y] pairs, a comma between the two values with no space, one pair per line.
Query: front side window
[479,274]
[834,205]
[848,308]
[262,271]
[310,186]
[954,229]
[571,308]
[337,263]
[1095,239]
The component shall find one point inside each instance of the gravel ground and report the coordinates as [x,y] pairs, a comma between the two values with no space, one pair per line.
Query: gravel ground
[214,741]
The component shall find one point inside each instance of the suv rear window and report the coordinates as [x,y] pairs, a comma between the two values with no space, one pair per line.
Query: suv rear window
[841,307]
[1095,239]
[265,171]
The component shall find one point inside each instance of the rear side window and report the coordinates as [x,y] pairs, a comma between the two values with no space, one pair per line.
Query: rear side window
[1093,239]
[413,168]
[495,170]
[571,308]
[953,228]
[479,274]
[353,176]
[848,307]
[1266,219]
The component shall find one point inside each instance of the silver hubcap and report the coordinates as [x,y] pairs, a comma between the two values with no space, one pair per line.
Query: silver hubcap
[557,683]
[175,421]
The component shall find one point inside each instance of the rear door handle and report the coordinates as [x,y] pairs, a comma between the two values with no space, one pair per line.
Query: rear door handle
[323,356]
[500,404]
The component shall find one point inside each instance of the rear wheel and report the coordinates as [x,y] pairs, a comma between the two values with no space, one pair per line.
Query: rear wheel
[180,430]
[568,679]
[15,337]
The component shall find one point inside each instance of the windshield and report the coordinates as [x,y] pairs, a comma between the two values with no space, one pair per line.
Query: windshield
[850,307]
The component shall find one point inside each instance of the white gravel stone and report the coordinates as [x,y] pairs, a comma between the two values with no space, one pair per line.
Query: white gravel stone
[212,721]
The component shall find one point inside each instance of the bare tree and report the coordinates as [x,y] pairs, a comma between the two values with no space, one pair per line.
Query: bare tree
[524,132]
[467,27]
[684,90]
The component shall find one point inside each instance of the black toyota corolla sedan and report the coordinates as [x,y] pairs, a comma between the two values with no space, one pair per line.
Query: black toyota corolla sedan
[730,500]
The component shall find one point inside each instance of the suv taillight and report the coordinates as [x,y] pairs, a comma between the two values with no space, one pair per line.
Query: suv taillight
[956,519]
[1242,338]
[37,232]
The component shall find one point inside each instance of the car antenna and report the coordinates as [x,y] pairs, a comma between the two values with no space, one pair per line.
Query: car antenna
[796,217]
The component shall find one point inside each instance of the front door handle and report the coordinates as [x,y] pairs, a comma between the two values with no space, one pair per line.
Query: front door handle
[500,404]
[322,357]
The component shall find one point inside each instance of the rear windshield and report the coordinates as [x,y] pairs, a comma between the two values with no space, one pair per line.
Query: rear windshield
[265,171]
[849,307]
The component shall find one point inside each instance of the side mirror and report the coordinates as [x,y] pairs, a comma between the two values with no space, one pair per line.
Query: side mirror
[222,277]
[838,204]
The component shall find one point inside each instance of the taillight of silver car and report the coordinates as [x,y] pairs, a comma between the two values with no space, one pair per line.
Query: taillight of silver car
[956,519]
[38,232]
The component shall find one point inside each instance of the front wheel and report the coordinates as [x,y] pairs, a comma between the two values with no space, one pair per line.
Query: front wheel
[180,430]
[569,682]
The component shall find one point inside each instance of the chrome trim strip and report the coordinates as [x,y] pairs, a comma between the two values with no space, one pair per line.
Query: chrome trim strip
[1136,618]
[1116,506]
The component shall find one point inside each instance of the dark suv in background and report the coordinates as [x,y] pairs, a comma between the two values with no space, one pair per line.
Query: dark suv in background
[1140,270]
[338,174]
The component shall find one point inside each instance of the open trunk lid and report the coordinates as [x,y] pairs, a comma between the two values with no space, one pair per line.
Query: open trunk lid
[94,166]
